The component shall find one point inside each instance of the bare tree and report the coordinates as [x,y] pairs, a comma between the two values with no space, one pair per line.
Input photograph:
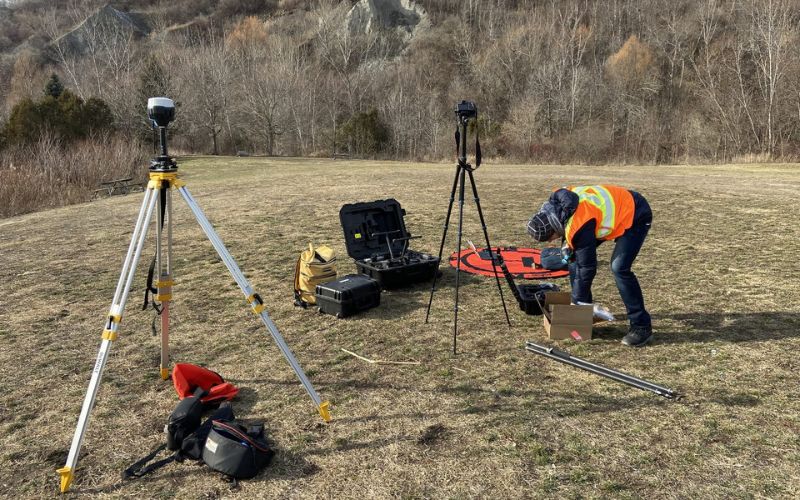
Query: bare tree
[771,33]
[63,52]
[353,58]
[268,67]
[205,82]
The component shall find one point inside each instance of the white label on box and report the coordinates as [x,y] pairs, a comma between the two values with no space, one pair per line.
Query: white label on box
[211,445]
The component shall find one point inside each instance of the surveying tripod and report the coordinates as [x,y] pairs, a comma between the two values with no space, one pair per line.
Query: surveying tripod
[465,111]
[164,178]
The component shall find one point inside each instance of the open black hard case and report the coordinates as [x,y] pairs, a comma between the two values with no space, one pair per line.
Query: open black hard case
[376,238]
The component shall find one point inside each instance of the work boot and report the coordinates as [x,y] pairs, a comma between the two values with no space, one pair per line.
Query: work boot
[638,336]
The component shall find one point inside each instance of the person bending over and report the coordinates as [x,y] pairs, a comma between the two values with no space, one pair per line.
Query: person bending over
[586,216]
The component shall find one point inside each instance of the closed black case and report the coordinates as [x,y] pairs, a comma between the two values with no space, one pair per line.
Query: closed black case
[348,295]
[377,239]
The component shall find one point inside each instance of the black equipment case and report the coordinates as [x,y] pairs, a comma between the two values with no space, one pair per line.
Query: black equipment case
[376,238]
[348,295]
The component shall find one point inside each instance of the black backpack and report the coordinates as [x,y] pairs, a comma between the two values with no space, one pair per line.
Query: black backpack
[185,435]
[222,443]
[184,420]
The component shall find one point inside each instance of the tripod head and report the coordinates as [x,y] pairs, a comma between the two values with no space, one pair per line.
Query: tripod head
[466,111]
[161,111]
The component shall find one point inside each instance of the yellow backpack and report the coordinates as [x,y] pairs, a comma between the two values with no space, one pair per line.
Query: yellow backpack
[315,266]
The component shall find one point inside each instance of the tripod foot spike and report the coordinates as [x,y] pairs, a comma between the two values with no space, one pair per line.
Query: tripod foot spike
[66,477]
[324,411]
[164,373]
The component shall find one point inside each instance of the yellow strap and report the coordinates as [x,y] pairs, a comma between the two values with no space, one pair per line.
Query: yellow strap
[162,297]
[297,275]
[258,308]
[164,283]
[109,335]
[115,318]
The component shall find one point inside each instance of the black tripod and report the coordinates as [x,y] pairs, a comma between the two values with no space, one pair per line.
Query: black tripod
[465,111]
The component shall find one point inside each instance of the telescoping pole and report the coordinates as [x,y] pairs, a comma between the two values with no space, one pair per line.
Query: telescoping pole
[566,358]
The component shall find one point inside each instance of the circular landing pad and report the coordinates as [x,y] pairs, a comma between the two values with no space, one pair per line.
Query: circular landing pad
[522,263]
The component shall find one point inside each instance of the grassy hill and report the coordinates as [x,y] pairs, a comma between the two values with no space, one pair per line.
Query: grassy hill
[718,271]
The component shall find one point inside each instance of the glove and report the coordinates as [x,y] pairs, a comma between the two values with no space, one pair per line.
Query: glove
[566,254]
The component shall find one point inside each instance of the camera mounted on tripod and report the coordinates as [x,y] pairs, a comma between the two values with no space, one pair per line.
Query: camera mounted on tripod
[161,111]
[466,111]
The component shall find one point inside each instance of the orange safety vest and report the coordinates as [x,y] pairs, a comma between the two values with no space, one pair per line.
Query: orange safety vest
[611,207]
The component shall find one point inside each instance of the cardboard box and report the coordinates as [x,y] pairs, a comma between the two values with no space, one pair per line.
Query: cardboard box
[565,321]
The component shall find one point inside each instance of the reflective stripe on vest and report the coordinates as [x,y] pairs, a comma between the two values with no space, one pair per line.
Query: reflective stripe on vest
[599,197]
[611,207]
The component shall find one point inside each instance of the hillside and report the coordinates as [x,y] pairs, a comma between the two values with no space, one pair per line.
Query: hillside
[574,80]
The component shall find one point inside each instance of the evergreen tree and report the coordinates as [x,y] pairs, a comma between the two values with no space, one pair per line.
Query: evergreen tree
[365,133]
[67,116]
[54,87]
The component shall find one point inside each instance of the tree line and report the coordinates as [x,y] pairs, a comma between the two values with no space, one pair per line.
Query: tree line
[557,81]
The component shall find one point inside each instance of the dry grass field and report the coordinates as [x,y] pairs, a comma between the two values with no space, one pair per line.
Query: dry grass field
[720,276]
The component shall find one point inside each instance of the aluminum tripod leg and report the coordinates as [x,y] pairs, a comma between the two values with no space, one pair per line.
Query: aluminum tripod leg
[254,299]
[488,245]
[110,332]
[444,237]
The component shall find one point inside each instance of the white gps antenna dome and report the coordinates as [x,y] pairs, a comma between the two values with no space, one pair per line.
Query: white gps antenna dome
[161,110]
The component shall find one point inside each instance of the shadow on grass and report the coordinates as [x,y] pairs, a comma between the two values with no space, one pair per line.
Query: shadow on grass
[285,465]
[244,401]
[703,327]
[733,327]
[402,302]
[482,400]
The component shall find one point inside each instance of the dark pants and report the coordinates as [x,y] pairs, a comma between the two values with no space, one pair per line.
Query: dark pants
[625,251]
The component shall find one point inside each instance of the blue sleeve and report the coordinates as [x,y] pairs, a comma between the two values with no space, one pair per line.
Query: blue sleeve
[584,249]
